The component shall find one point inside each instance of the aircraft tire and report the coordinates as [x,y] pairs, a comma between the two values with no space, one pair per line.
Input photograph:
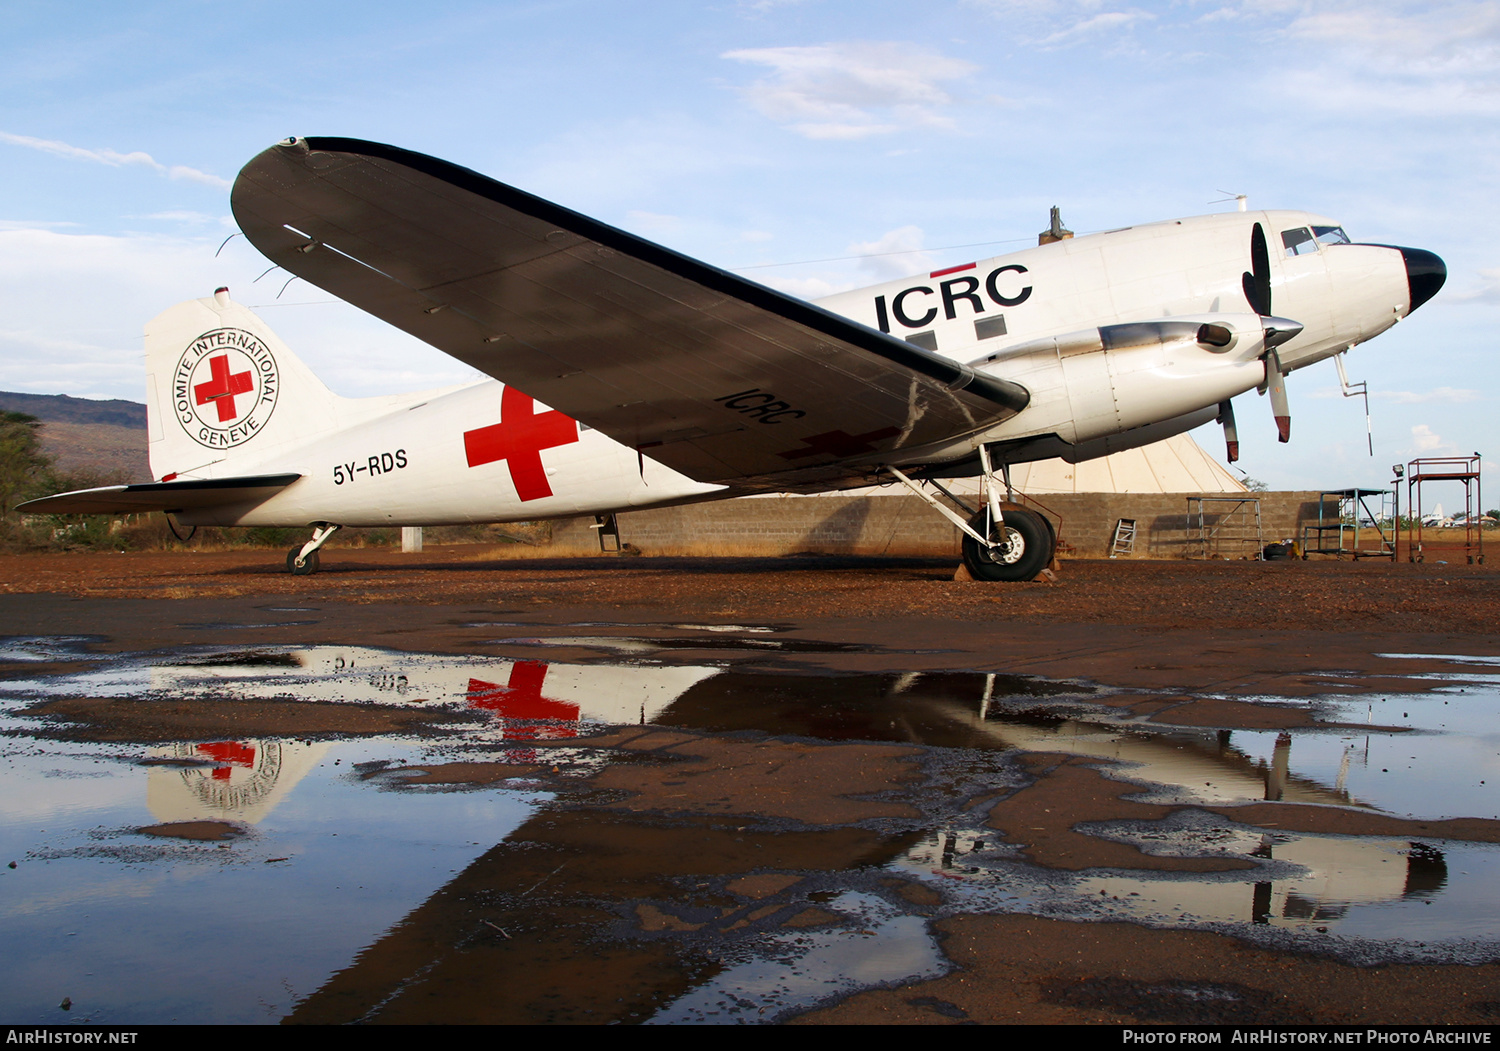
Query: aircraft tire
[1027,551]
[309,564]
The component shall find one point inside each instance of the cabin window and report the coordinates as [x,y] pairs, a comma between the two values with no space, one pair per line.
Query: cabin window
[1331,235]
[1299,241]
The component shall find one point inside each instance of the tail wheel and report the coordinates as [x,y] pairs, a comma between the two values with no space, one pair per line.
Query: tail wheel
[305,566]
[1021,554]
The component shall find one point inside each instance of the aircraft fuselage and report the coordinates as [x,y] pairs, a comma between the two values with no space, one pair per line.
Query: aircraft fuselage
[1055,318]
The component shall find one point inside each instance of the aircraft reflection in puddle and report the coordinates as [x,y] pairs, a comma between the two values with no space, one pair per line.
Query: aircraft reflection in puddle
[1367,887]
[240,781]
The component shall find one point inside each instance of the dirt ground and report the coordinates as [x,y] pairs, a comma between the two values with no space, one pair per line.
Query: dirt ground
[1162,635]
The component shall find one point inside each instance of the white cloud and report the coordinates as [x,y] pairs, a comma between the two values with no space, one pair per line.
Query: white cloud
[1425,441]
[72,307]
[32,224]
[192,218]
[654,222]
[853,90]
[1036,8]
[806,287]
[1485,290]
[1435,38]
[1101,23]
[115,159]
[1437,394]
[756,235]
[896,253]
[1376,57]
[1058,23]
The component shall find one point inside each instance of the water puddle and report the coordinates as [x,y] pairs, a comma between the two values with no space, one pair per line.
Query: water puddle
[640,644]
[354,806]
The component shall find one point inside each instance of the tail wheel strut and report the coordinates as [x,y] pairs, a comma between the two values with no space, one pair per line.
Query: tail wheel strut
[303,560]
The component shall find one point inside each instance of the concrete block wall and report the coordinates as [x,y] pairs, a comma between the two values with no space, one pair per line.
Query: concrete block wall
[904,525]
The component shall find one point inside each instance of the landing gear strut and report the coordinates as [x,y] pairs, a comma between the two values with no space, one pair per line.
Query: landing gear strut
[999,543]
[303,560]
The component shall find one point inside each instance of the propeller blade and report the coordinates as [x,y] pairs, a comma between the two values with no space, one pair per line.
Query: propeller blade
[1280,407]
[1231,435]
[1257,280]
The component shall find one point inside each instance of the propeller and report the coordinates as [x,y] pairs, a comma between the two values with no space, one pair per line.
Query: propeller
[1257,285]
[1257,280]
[1231,435]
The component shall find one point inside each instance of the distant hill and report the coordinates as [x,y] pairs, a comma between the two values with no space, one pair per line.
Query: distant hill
[104,438]
[60,408]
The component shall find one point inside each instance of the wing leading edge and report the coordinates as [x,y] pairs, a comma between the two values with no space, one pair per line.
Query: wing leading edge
[717,377]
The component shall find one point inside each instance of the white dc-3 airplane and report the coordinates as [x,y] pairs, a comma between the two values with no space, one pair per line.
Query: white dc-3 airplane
[652,379]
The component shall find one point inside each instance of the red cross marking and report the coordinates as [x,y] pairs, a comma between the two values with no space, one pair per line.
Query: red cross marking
[840,443]
[228,753]
[519,439]
[223,387]
[521,698]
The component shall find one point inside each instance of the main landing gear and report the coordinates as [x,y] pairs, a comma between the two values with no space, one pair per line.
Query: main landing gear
[303,560]
[1022,551]
[1005,542]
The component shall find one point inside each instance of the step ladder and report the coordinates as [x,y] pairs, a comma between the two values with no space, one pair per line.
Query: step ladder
[609,533]
[1124,539]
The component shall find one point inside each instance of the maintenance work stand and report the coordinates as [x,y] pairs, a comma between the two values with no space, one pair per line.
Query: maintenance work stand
[1345,519]
[1428,469]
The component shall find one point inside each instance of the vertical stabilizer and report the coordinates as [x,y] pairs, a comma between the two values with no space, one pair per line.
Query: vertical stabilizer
[223,392]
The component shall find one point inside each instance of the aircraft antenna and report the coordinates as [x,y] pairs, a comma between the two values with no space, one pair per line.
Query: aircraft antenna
[1356,390]
[1055,231]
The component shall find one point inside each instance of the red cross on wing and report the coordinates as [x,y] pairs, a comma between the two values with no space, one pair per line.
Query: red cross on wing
[521,699]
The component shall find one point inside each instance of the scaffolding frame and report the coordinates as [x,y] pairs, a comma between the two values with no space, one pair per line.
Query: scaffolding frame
[1339,534]
[1236,523]
[1463,469]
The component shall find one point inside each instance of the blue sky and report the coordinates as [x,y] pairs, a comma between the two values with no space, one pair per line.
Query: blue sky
[805,141]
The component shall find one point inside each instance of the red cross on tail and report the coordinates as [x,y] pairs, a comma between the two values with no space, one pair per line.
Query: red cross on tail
[222,387]
[519,439]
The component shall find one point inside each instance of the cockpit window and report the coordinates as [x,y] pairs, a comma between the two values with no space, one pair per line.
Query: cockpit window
[1331,235]
[1298,241]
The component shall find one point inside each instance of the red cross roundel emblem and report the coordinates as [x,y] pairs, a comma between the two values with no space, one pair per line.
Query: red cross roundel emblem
[224,388]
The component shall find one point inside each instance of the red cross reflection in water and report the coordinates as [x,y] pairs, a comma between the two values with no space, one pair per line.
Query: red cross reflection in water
[222,388]
[521,699]
[519,439]
[227,754]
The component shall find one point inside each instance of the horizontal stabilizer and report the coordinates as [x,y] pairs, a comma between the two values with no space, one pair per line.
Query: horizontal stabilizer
[191,494]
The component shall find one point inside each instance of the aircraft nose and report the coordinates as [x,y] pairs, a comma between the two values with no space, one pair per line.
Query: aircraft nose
[1425,274]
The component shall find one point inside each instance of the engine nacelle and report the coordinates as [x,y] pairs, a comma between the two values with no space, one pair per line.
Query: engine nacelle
[1102,381]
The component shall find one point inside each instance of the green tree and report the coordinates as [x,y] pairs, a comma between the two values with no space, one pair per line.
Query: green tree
[25,470]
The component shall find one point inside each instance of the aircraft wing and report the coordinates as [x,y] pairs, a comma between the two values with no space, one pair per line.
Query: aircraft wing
[188,495]
[717,377]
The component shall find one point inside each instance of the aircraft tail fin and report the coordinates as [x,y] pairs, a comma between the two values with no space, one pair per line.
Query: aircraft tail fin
[223,392]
